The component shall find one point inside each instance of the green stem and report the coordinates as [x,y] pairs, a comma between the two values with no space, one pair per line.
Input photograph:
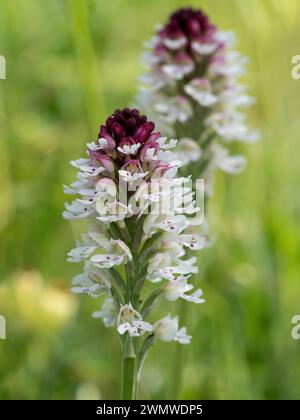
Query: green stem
[133,355]
[129,369]
[128,378]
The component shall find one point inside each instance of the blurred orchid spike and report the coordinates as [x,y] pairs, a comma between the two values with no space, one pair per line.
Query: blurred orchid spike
[192,91]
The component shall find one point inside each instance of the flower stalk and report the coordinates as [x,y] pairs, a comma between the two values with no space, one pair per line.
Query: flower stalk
[129,369]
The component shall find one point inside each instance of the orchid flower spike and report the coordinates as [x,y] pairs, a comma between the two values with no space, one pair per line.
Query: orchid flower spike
[192,90]
[137,231]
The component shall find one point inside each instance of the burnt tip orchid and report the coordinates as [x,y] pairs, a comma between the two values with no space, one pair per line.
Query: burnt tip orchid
[124,132]
[129,143]
[192,90]
[142,221]
[184,44]
[186,27]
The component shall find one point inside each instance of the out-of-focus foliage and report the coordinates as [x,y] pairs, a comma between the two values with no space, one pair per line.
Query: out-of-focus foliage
[69,64]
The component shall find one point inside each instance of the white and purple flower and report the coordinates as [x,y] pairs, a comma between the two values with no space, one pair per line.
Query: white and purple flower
[125,188]
[192,89]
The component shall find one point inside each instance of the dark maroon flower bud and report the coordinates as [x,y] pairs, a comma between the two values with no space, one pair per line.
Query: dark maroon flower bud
[135,113]
[127,113]
[119,119]
[143,132]
[193,27]
[123,136]
[142,119]
[187,23]
[126,123]
[131,124]
[118,130]
[109,122]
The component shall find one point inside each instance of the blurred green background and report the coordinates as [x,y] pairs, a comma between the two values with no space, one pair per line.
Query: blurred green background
[69,64]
